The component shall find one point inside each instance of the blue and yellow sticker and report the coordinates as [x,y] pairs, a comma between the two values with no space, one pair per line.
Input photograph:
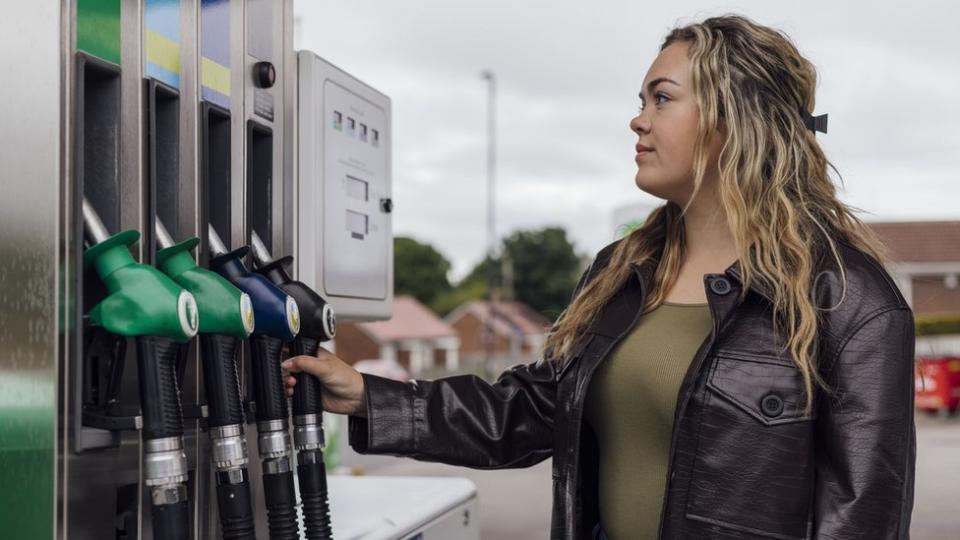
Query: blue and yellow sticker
[161,41]
[215,52]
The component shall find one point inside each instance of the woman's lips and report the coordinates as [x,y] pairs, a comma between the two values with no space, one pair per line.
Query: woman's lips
[642,151]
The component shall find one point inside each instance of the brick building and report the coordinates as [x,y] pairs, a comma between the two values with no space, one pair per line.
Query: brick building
[924,259]
[518,330]
[414,337]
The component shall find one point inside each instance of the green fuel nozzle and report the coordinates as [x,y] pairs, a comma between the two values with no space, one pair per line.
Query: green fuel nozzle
[226,318]
[142,301]
[145,304]
[317,324]
[223,309]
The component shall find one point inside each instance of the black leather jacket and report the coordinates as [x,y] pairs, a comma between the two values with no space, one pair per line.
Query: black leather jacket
[744,461]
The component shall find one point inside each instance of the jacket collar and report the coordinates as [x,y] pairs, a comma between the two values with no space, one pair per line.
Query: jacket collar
[647,270]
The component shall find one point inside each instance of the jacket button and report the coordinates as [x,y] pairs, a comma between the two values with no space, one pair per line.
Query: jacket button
[771,405]
[720,285]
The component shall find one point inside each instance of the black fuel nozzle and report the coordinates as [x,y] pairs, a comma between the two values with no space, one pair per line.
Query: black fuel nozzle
[317,324]
[277,322]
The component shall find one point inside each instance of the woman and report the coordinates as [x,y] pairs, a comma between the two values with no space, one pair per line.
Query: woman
[740,366]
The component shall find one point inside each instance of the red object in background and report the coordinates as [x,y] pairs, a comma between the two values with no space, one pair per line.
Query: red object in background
[939,388]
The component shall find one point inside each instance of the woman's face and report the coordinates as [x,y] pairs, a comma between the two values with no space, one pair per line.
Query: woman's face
[667,124]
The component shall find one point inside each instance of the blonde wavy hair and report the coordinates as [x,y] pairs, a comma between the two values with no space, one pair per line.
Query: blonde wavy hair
[780,202]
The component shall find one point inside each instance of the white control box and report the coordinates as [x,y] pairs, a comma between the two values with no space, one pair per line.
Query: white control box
[344,193]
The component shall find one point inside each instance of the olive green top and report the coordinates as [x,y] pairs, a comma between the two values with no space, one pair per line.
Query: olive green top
[630,406]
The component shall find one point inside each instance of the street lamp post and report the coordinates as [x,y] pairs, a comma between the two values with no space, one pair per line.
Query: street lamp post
[491,79]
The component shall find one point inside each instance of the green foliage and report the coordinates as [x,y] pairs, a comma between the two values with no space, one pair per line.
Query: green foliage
[462,293]
[933,324]
[419,270]
[629,227]
[543,265]
[545,268]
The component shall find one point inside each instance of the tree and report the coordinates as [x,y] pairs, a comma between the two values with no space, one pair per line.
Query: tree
[544,267]
[419,270]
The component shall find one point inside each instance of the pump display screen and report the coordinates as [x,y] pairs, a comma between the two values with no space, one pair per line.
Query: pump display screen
[358,189]
[357,224]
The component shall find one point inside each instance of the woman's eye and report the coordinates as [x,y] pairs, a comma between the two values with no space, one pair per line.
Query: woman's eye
[655,99]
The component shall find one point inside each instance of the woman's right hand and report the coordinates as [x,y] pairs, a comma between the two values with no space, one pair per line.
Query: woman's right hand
[342,385]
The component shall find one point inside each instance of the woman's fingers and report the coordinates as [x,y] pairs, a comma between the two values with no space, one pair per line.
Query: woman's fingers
[318,366]
[308,364]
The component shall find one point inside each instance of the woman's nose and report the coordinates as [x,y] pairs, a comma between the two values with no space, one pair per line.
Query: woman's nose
[638,124]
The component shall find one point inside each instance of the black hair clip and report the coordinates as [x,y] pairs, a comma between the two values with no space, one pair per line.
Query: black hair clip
[815,123]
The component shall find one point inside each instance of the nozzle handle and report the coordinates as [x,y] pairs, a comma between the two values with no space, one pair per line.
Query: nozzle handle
[159,393]
[220,379]
[268,390]
[307,396]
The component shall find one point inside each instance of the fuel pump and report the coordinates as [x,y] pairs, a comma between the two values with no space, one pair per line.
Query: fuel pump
[226,317]
[145,304]
[318,324]
[277,322]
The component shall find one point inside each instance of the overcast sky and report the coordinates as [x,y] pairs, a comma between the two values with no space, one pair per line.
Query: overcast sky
[568,76]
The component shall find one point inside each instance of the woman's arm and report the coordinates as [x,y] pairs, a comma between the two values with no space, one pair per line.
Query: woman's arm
[866,439]
[463,420]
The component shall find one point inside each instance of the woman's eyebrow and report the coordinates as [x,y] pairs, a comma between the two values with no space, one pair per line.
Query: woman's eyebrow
[652,84]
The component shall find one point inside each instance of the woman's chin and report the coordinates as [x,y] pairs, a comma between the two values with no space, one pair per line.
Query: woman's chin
[650,186]
[643,182]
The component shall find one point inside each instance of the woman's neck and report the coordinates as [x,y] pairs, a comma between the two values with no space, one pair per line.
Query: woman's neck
[710,246]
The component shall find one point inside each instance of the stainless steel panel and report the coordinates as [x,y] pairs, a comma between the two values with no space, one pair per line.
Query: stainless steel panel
[288,77]
[132,197]
[30,179]
[195,439]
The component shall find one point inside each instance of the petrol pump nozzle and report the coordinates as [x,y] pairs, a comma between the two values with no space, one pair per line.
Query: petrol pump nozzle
[223,309]
[278,321]
[276,312]
[142,301]
[145,304]
[226,317]
[318,324]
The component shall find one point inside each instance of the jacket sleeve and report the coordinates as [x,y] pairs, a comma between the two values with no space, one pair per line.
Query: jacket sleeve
[462,419]
[866,438]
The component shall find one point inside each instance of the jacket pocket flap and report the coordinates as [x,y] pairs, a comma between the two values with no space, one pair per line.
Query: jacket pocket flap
[769,390]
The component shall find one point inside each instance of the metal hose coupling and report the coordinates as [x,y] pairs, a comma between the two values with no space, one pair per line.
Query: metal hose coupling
[229,447]
[273,439]
[308,432]
[164,461]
